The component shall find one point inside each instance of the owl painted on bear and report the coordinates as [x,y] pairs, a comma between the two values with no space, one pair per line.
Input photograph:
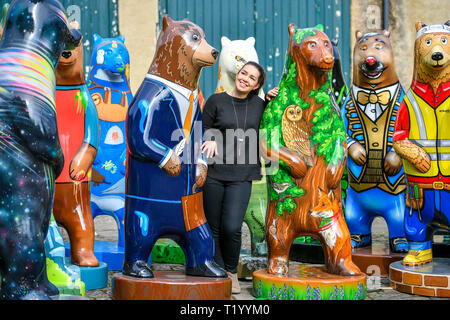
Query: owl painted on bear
[296,132]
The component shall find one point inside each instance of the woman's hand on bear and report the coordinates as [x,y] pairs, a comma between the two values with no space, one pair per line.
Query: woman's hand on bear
[271,94]
[210,148]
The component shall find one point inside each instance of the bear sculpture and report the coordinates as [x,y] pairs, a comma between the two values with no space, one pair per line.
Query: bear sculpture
[165,167]
[78,133]
[36,33]
[375,173]
[307,138]
[422,139]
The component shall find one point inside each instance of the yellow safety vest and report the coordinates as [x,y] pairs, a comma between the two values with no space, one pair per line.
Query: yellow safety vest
[430,130]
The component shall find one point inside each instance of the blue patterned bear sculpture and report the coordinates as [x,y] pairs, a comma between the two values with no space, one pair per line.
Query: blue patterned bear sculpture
[109,86]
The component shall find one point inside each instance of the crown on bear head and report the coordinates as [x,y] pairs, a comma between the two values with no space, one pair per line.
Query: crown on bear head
[432,29]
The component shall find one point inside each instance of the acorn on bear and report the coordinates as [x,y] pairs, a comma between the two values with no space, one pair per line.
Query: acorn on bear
[165,167]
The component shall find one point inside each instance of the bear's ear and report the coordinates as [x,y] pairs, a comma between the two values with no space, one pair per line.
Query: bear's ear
[447,23]
[167,20]
[292,27]
[225,41]
[97,39]
[251,41]
[386,33]
[419,25]
[319,27]
[358,34]
[121,38]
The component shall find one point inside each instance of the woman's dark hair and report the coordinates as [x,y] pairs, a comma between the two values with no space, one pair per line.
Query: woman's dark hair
[262,75]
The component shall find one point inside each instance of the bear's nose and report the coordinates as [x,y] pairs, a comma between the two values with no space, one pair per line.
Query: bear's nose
[371,61]
[66,54]
[215,53]
[437,56]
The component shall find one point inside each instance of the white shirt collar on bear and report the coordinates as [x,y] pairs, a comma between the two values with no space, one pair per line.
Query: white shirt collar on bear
[185,92]
[181,94]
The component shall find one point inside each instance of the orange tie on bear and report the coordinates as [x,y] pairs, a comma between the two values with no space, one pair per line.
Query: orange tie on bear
[188,119]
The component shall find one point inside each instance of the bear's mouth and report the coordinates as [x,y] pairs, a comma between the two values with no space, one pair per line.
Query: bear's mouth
[373,74]
[204,62]
[372,71]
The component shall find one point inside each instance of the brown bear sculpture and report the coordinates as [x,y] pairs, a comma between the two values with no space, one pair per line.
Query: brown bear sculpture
[307,139]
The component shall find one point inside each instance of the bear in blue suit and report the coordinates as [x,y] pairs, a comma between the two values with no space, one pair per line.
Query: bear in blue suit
[165,167]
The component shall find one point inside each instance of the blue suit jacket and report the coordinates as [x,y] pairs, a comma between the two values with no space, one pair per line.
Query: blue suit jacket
[154,128]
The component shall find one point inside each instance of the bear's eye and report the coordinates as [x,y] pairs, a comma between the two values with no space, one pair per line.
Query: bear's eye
[363,47]
[444,41]
[312,45]
[326,44]
[195,37]
[428,42]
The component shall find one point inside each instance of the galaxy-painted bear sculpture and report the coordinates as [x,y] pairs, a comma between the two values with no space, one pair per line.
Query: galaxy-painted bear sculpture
[78,135]
[36,33]
[306,136]
[422,140]
[165,167]
[375,173]
[110,89]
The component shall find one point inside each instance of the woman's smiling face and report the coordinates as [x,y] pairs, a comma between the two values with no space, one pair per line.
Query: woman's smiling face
[247,79]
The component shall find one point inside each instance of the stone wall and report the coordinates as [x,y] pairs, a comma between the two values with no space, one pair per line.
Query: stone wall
[367,15]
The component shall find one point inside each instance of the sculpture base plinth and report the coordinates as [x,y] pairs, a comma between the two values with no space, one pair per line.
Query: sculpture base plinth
[375,259]
[110,253]
[249,264]
[94,277]
[431,279]
[170,285]
[308,283]
[105,251]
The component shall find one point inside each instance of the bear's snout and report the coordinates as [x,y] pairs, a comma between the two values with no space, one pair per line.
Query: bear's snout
[371,61]
[66,54]
[437,56]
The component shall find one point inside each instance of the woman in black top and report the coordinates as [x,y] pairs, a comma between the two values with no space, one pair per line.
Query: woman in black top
[231,123]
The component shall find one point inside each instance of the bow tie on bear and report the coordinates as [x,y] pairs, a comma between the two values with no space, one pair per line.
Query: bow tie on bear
[372,97]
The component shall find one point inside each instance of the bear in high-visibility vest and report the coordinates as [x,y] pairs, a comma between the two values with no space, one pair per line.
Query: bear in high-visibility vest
[422,140]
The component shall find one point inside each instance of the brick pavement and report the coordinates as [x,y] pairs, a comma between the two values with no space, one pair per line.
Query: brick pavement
[378,288]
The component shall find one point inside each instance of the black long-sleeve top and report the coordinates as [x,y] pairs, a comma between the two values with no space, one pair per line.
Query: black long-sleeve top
[221,122]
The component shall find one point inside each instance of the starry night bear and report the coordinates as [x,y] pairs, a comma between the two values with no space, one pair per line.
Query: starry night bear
[36,32]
